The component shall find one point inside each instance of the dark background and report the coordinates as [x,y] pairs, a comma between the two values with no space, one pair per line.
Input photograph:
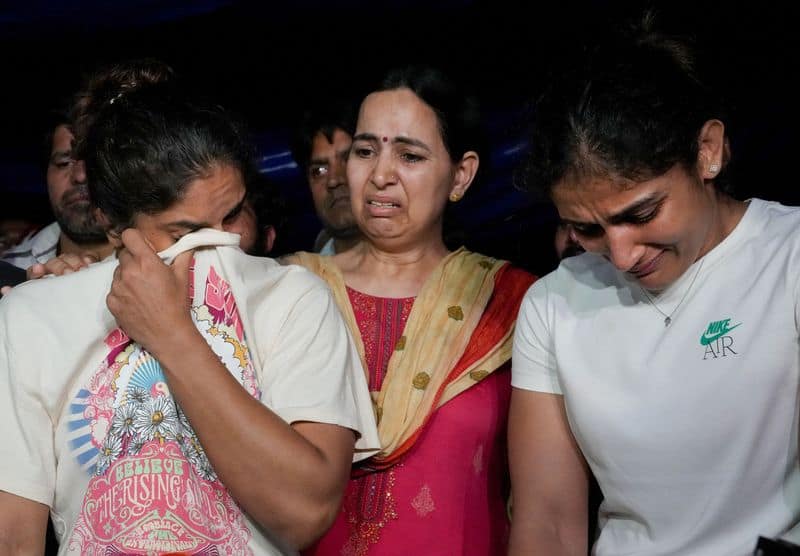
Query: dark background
[266,60]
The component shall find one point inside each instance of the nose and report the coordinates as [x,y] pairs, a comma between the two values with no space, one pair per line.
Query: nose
[79,172]
[383,173]
[337,175]
[621,247]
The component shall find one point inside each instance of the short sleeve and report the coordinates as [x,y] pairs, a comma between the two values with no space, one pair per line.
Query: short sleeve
[313,372]
[533,361]
[27,458]
[796,294]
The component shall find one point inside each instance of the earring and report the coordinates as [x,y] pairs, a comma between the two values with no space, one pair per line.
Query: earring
[714,168]
[455,197]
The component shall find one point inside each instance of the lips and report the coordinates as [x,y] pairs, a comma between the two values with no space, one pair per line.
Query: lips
[76,196]
[335,201]
[643,269]
[382,206]
[383,202]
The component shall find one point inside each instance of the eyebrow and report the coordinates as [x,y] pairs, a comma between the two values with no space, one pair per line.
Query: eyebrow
[59,154]
[630,211]
[402,140]
[626,213]
[323,161]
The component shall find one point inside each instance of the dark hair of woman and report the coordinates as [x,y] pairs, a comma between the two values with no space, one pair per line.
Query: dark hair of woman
[148,143]
[632,111]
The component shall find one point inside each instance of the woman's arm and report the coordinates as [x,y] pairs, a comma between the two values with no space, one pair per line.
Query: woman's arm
[23,525]
[288,478]
[549,478]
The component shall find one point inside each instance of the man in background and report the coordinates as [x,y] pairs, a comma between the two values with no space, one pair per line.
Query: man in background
[76,230]
[320,148]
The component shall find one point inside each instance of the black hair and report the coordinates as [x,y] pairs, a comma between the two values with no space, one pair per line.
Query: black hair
[269,207]
[631,110]
[326,116]
[54,118]
[100,88]
[457,111]
[147,143]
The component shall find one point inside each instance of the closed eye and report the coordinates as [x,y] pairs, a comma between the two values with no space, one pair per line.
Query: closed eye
[62,163]
[587,230]
[644,218]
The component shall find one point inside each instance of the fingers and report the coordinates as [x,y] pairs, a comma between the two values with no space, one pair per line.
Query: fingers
[35,271]
[4,290]
[135,242]
[180,268]
[63,264]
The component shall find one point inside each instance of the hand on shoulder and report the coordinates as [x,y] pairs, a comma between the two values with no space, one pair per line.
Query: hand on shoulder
[62,264]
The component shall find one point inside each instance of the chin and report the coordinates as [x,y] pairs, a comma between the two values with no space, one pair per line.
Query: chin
[656,281]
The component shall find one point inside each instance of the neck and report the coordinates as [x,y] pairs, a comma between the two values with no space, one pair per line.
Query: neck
[340,245]
[375,271]
[729,212]
[99,250]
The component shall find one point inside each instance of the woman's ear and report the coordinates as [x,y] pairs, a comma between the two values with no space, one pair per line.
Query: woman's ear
[714,151]
[114,238]
[466,170]
[269,238]
[112,234]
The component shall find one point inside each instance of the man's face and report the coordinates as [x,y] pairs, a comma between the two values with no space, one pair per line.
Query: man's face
[327,178]
[69,195]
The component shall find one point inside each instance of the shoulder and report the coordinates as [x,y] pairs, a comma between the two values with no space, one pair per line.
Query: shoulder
[292,272]
[580,280]
[768,232]
[774,216]
[301,258]
[37,247]
[71,299]
[44,240]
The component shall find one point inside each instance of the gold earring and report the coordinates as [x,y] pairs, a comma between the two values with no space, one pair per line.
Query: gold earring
[455,197]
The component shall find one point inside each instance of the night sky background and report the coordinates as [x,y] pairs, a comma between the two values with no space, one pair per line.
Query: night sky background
[266,60]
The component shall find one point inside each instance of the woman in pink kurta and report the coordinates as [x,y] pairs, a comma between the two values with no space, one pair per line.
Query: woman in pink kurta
[433,329]
[453,480]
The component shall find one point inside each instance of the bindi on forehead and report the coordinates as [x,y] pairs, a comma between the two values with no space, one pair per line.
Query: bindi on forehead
[385,139]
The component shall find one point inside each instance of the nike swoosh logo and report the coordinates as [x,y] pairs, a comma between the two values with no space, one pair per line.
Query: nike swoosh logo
[705,339]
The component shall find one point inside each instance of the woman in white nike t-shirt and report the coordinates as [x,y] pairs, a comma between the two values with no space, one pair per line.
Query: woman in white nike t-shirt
[664,360]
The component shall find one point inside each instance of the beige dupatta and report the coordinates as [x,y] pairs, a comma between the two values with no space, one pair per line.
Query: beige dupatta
[419,378]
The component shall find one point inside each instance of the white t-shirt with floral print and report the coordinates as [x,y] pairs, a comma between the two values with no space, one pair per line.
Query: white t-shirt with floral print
[89,425]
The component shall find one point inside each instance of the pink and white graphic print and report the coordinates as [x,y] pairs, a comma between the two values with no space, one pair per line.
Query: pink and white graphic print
[153,490]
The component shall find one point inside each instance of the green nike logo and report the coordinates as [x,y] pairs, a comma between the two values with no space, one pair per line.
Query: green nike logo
[716,329]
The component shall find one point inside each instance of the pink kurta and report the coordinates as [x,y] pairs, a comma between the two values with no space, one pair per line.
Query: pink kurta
[447,496]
